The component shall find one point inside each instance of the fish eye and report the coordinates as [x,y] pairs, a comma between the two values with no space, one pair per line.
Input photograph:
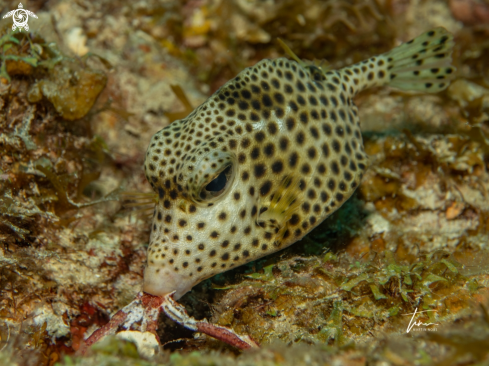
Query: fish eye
[217,185]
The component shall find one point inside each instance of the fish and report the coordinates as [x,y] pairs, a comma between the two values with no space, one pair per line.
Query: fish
[267,158]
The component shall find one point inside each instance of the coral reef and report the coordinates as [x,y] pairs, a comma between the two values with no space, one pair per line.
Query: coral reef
[83,92]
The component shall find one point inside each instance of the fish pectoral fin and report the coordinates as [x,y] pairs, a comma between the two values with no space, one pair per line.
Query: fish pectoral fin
[283,204]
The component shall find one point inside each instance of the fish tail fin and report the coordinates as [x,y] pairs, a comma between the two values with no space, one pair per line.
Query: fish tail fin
[422,64]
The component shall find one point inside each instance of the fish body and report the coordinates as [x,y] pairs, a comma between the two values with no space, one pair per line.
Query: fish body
[267,158]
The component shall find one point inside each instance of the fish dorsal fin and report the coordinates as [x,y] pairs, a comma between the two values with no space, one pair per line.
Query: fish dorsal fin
[182,97]
[322,65]
[291,53]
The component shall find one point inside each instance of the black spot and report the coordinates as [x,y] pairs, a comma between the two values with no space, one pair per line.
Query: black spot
[243,105]
[336,146]
[265,188]
[314,132]
[259,170]
[259,136]
[300,137]
[161,192]
[246,94]
[332,116]
[277,167]
[293,106]
[266,100]
[324,100]
[293,159]
[335,168]
[294,220]
[325,149]
[303,117]
[272,128]
[327,129]
[283,143]
[290,122]
[214,234]
[225,256]
[331,87]
[255,153]
[279,98]
[241,158]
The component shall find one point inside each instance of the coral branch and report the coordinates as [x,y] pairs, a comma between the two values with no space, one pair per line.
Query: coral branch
[177,312]
[107,329]
[226,335]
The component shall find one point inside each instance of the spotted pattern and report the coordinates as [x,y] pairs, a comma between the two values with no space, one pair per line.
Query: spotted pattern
[262,162]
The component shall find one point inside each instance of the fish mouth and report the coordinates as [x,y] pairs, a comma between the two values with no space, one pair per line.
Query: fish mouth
[163,281]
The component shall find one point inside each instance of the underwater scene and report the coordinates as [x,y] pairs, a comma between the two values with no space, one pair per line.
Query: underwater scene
[247,182]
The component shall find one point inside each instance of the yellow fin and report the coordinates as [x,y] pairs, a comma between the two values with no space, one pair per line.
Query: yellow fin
[322,65]
[143,202]
[291,53]
[282,206]
[182,97]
